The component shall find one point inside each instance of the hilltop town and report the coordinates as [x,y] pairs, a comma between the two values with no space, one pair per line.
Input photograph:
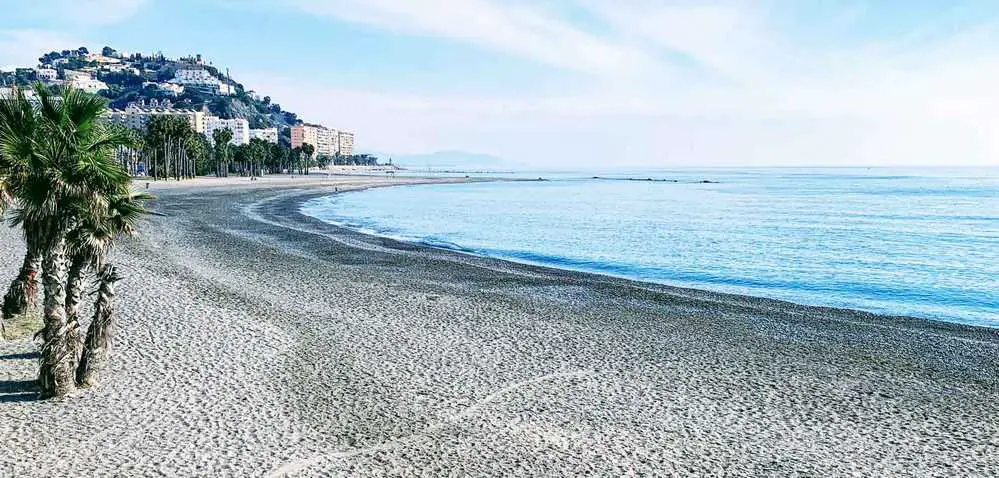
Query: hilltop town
[141,87]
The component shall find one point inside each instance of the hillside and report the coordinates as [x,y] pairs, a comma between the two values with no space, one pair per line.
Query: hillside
[124,78]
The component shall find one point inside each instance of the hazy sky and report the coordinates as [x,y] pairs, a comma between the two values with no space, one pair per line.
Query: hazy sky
[561,82]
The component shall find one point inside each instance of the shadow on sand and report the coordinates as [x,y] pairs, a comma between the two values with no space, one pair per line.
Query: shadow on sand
[18,390]
[22,356]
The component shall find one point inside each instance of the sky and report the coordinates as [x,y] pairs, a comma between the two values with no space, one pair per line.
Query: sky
[594,83]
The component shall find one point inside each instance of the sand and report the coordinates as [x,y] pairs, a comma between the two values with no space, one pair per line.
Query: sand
[255,341]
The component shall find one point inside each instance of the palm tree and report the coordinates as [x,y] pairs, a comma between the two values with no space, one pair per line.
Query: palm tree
[17,129]
[166,138]
[64,152]
[196,149]
[297,153]
[94,238]
[22,294]
[100,221]
[97,343]
[308,149]
[221,137]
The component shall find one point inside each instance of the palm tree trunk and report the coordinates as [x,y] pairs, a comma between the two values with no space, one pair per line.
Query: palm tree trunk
[23,292]
[98,341]
[74,296]
[55,372]
[74,285]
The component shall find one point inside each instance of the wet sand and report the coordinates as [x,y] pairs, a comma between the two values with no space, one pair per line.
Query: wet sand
[255,341]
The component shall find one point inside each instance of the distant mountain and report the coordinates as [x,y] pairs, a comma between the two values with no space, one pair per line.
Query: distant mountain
[449,160]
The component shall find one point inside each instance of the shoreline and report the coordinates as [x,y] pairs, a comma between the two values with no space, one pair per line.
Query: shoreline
[637,282]
[257,341]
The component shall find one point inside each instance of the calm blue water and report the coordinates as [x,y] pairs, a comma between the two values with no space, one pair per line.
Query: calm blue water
[920,242]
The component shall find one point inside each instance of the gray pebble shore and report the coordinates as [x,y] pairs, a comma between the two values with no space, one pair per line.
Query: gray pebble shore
[255,341]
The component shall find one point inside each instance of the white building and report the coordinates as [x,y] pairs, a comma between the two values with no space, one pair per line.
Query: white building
[240,129]
[194,76]
[120,68]
[168,88]
[137,115]
[9,92]
[102,59]
[202,79]
[345,144]
[88,84]
[47,74]
[326,140]
[267,134]
[74,74]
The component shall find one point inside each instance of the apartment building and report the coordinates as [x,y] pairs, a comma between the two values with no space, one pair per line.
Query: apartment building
[137,115]
[240,129]
[345,143]
[326,140]
[203,80]
[267,134]
[194,76]
[302,134]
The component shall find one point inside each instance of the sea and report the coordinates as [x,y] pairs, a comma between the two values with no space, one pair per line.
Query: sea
[920,242]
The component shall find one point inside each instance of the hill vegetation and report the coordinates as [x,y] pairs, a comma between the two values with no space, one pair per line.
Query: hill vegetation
[137,77]
[167,147]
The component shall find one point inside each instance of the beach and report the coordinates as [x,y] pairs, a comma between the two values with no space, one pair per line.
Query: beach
[256,341]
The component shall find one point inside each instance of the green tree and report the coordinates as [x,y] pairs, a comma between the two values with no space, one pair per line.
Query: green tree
[240,158]
[91,242]
[277,158]
[296,159]
[61,158]
[165,141]
[198,152]
[221,138]
[17,130]
[307,150]
[257,152]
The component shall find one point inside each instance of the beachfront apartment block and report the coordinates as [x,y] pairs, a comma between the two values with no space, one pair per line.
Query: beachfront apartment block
[302,134]
[320,137]
[267,134]
[345,143]
[137,115]
[240,129]
[327,141]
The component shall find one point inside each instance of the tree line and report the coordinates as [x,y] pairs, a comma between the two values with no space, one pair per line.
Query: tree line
[61,184]
[169,148]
